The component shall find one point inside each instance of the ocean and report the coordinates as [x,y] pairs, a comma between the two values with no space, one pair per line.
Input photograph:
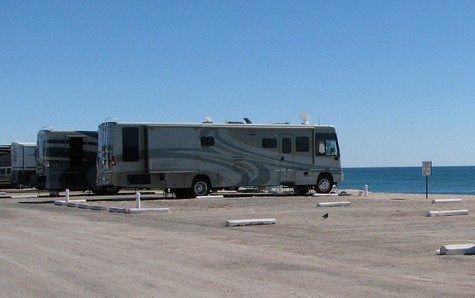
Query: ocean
[444,180]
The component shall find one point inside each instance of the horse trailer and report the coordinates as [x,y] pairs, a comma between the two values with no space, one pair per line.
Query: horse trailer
[194,159]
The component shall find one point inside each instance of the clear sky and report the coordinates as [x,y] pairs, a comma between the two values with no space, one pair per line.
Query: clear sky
[397,78]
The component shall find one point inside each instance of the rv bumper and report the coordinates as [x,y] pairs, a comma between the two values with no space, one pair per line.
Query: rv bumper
[338,177]
[104,179]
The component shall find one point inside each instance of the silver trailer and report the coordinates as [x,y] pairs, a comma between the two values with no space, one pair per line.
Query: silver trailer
[194,159]
[67,160]
[23,161]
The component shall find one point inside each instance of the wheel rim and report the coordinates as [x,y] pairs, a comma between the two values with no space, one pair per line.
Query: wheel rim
[200,188]
[324,185]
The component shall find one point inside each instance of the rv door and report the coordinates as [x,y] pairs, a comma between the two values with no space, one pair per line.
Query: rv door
[286,159]
[76,151]
[134,155]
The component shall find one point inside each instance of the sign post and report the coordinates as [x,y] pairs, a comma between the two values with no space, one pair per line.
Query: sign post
[427,171]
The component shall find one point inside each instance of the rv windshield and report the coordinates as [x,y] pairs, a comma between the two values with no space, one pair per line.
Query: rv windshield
[42,145]
[326,145]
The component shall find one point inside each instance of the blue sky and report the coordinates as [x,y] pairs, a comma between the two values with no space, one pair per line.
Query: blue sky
[397,78]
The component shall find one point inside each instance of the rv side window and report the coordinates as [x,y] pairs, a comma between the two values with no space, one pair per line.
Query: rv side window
[130,143]
[76,151]
[302,144]
[207,141]
[286,145]
[269,143]
[326,144]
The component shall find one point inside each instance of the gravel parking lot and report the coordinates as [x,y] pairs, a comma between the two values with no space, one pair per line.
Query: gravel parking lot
[381,245]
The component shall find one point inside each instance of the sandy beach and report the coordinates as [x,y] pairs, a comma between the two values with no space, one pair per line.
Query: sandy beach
[381,245]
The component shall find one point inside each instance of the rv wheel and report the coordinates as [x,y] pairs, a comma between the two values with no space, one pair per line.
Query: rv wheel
[324,184]
[200,187]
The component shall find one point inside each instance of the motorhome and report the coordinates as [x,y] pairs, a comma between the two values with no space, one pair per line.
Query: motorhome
[67,160]
[194,159]
[23,162]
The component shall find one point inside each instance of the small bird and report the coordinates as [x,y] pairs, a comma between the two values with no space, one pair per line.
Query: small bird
[325,216]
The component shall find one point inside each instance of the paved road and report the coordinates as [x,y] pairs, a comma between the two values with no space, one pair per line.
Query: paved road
[380,246]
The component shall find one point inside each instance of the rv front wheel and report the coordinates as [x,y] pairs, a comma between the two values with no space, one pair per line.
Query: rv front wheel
[200,187]
[324,184]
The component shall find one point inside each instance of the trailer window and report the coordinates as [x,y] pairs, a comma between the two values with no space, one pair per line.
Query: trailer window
[130,143]
[326,144]
[207,141]
[302,144]
[269,143]
[76,151]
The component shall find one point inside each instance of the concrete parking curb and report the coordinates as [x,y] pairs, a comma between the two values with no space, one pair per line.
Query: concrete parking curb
[333,204]
[250,222]
[147,210]
[210,197]
[325,195]
[457,249]
[118,210]
[83,205]
[447,213]
[24,197]
[73,203]
[435,201]
[98,208]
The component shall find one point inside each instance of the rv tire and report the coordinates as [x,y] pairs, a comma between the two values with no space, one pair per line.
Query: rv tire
[200,187]
[324,183]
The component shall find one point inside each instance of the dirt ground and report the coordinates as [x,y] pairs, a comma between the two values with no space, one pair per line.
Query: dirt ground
[381,245]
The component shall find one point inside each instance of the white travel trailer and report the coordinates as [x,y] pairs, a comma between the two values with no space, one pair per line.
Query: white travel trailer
[194,159]
[67,160]
[23,158]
